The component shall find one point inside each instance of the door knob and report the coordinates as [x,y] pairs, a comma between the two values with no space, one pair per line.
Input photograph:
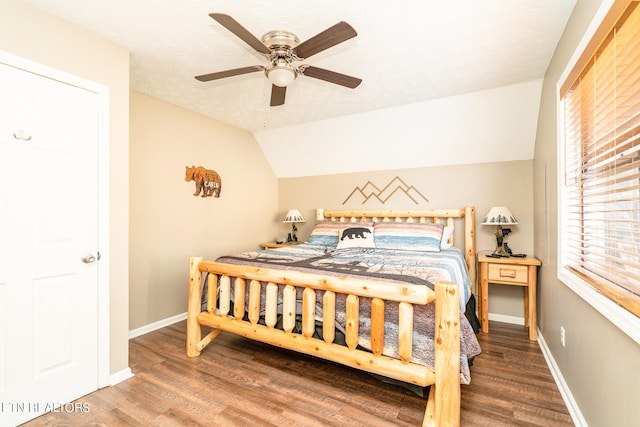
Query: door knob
[22,135]
[88,258]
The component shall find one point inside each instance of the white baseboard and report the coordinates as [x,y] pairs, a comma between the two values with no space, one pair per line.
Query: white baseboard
[157,325]
[567,396]
[507,319]
[120,376]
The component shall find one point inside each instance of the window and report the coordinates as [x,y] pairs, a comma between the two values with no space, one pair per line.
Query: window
[600,192]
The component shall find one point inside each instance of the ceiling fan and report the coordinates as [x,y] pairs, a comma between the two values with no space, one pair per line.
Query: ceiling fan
[283,49]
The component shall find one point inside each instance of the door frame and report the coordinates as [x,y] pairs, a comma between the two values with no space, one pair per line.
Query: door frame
[102,92]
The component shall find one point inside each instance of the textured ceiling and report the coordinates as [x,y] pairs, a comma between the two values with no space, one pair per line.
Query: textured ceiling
[405,52]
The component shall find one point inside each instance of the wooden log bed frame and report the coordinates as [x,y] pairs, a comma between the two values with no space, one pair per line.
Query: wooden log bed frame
[443,403]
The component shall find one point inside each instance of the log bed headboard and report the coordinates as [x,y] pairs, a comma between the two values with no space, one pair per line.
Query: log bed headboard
[449,217]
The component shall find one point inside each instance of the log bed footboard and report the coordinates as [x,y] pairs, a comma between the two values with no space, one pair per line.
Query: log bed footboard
[443,405]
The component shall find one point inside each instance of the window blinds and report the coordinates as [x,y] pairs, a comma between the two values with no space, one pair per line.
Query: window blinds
[601,191]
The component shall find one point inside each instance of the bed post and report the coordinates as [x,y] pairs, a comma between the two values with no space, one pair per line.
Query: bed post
[194,330]
[470,243]
[443,407]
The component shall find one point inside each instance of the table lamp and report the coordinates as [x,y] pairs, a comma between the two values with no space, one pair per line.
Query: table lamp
[292,217]
[499,216]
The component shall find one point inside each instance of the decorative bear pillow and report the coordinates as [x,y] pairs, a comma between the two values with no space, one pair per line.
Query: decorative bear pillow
[356,237]
[447,231]
[327,233]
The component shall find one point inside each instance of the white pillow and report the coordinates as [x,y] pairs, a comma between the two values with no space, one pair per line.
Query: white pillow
[446,235]
[356,237]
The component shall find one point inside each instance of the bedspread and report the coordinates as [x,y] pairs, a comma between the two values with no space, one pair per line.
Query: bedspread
[381,265]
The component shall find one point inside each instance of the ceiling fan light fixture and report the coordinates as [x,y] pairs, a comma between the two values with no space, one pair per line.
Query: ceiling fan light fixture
[283,49]
[281,74]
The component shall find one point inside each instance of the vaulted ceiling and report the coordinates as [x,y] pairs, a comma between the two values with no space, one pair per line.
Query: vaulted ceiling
[405,52]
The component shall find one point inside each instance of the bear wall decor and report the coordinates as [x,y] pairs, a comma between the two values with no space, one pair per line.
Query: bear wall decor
[208,182]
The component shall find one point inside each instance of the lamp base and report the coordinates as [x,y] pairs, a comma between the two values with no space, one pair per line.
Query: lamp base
[292,237]
[502,249]
[501,252]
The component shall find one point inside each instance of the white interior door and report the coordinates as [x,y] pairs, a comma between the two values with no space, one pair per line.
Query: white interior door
[48,221]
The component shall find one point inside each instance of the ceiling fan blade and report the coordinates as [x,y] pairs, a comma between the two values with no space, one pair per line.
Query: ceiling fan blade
[229,73]
[277,95]
[331,76]
[324,40]
[234,26]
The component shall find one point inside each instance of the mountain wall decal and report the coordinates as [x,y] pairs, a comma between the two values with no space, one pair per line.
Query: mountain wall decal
[396,185]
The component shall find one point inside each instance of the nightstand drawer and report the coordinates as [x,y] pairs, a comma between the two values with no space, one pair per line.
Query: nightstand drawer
[508,273]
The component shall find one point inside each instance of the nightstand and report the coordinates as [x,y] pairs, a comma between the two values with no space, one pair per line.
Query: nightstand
[512,271]
[273,245]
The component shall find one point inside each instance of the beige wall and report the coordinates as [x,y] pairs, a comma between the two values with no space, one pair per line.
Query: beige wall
[169,224]
[481,185]
[39,37]
[600,364]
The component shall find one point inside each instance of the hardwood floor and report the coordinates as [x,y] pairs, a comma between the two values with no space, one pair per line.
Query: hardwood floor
[237,382]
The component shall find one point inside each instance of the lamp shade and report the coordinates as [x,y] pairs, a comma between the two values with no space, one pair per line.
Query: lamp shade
[499,215]
[293,215]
